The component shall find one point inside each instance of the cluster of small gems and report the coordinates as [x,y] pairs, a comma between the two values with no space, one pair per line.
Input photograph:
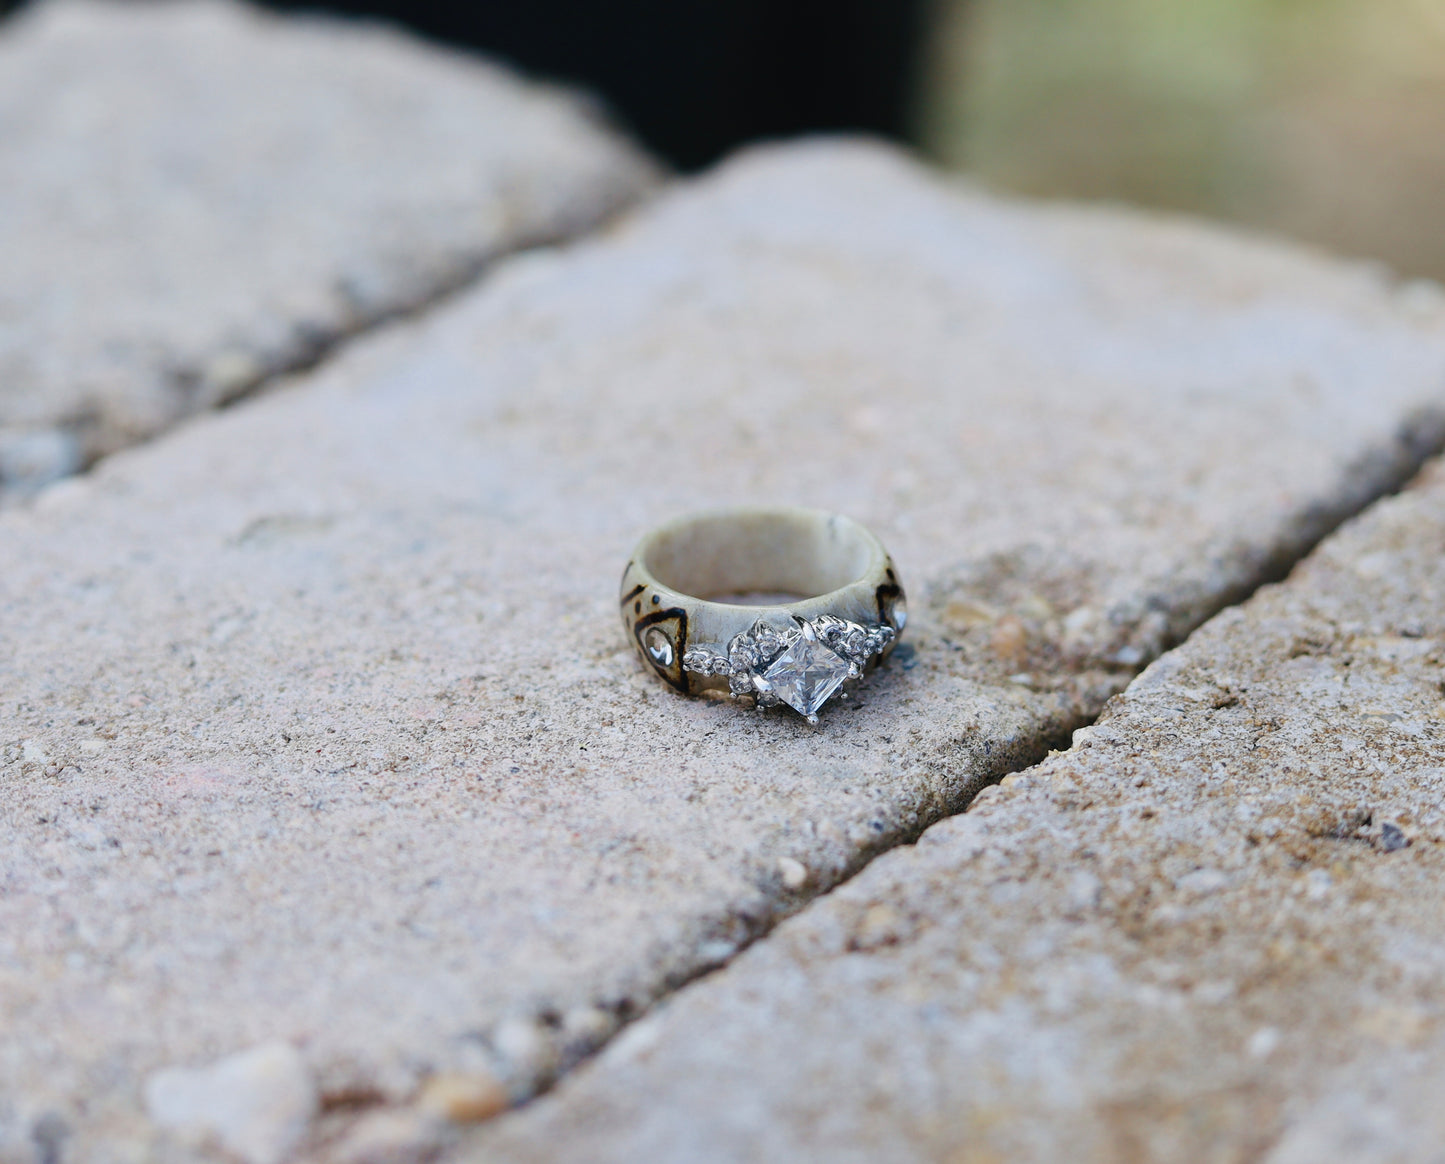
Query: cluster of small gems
[801,665]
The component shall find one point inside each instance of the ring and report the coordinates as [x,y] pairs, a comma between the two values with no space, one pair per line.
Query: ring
[772,605]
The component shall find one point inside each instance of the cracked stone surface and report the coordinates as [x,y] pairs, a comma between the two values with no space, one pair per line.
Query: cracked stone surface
[1214,929]
[197,196]
[318,725]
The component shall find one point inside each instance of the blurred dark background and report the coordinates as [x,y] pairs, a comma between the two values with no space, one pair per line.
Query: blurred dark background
[1319,119]
[695,78]
[692,78]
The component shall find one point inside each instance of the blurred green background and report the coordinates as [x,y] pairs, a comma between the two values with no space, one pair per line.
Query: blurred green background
[1320,119]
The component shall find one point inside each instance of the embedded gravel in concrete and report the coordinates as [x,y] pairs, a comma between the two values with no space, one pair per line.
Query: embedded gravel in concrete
[318,724]
[197,196]
[1214,929]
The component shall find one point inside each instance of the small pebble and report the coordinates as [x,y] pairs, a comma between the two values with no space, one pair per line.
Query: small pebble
[963,614]
[1392,838]
[1262,1043]
[257,1103]
[229,375]
[717,951]
[588,1026]
[1009,640]
[463,1097]
[794,874]
[527,1051]
[1078,624]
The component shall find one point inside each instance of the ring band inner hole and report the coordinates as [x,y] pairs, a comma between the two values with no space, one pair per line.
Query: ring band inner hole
[760,559]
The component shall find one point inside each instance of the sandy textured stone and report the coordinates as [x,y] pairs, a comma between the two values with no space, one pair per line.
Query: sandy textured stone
[1214,929]
[197,196]
[317,721]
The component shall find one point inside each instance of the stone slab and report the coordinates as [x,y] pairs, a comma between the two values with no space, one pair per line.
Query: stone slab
[197,196]
[318,725]
[1214,929]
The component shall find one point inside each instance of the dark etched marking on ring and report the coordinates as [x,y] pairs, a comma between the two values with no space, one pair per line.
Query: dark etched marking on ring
[633,593]
[886,595]
[672,670]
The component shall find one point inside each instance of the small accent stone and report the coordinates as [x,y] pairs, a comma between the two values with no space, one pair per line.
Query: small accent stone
[767,639]
[742,652]
[701,661]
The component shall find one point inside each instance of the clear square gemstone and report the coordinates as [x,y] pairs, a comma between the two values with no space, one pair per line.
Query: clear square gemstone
[806,674]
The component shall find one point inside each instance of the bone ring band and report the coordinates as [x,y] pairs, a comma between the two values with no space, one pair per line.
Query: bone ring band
[838,606]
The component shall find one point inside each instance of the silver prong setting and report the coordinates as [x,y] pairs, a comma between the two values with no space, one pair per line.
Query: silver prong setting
[803,664]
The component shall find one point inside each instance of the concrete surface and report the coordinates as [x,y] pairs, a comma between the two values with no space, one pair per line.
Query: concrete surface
[1212,930]
[317,725]
[197,196]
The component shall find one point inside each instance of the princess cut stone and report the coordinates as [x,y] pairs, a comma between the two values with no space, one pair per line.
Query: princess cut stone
[806,673]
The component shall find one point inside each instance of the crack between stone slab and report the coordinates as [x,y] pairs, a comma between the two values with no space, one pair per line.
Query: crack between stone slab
[1379,474]
[466,273]
[239,374]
